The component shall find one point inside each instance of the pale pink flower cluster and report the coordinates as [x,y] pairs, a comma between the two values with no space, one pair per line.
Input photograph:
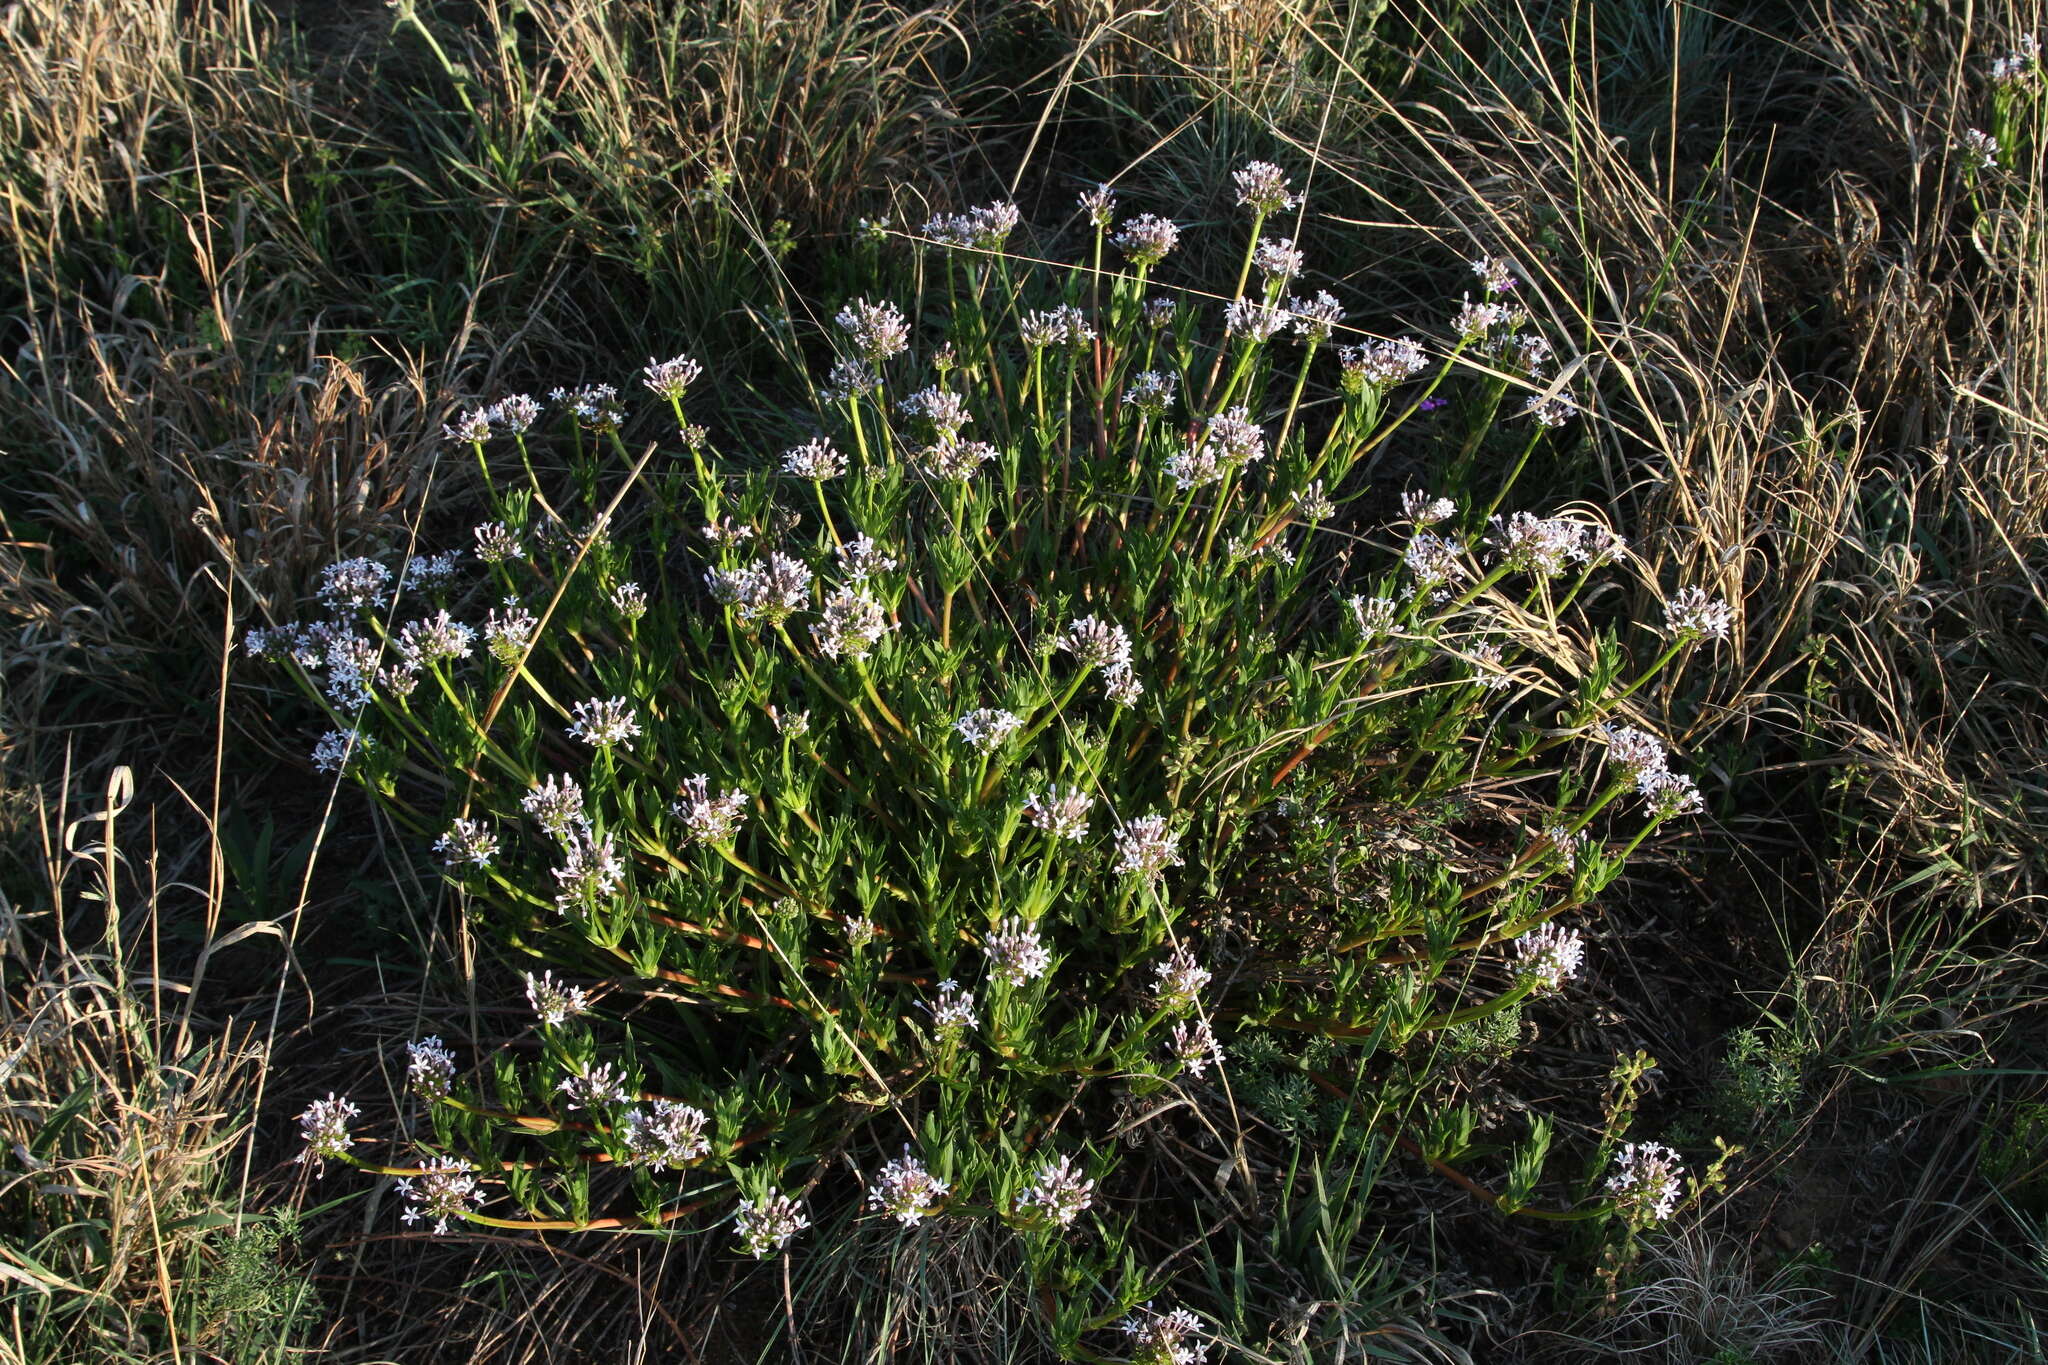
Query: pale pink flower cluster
[906,1191]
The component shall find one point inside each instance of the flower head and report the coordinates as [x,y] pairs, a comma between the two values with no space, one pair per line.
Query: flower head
[1315,319]
[1180,982]
[629,600]
[710,819]
[953,1009]
[1691,614]
[1061,812]
[1146,847]
[1434,560]
[495,543]
[1146,239]
[1382,364]
[1496,276]
[814,460]
[1164,1338]
[986,729]
[1278,259]
[877,330]
[1151,392]
[430,1068]
[1645,1183]
[954,460]
[473,426]
[906,1191]
[599,1085]
[1634,751]
[556,803]
[467,841]
[554,1002]
[323,1127]
[443,1190]
[765,1226]
[1058,1190]
[1542,546]
[1980,149]
[1195,1047]
[1100,206]
[1373,616]
[668,378]
[850,626]
[981,229]
[664,1134]
[596,406]
[591,870]
[1667,793]
[1254,318]
[353,583]
[516,413]
[1096,643]
[603,722]
[1549,409]
[334,749]
[1262,188]
[1548,956]
[861,559]
[1016,953]
[1065,325]
[1424,510]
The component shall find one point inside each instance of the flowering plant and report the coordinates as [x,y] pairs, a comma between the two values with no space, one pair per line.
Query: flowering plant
[984,757]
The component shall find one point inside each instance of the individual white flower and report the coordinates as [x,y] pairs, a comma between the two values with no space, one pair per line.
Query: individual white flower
[1692,614]
[765,1226]
[1262,187]
[985,730]
[1278,259]
[664,1134]
[906,1191]
[1180,982]
[877,330]
[814,460]
[1061,812]
[1058,1190]
[444,1190]
[668,378]
[1645,1183]
[710,819]
[323,1127]
[430,1068]
[1016,953]
[1195,1047]
[1164,1338]
[354,584]
[590,870]
[599,1085]
[850,625]
[953,1009]
[602,722]
[1146,239]
[467,841]
[1146,847]
[554,1002]
[1548,956]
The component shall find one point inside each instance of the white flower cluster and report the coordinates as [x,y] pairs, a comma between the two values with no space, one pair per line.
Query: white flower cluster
[2020,64]
[980,229]
[768,590]
[601,1084]
[557,804]
[554,1002]
[816,460]
[1645,1183]
[1164,1338]
[985,730]
[1262,187]
[1102,644]
[1382,364]
[850,625]
[591,870]
[953,1009]
[1640,757]
[1100,206]
[444,1189]
[1691,614]
[1227,443]
[1548,956]
[1061,812]
[323,1127]
[1277,259]
[668,378]
[1061,326]
[1059,1191]
[709,819]
[1254,318]
[1315,319]
[429,1068]
[1980,149]
[1016,953]
[594,405]
[1423,510]
[1496,276]
[766,1225]
[877,330]
[1181,979]
[1145,847]
[1195,1047]
[1151,392]
[467,841]
[1146,239]
[602,722]
[665,1134]
[906,1191]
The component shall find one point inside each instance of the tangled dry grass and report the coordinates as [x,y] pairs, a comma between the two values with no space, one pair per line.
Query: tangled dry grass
[258,255]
